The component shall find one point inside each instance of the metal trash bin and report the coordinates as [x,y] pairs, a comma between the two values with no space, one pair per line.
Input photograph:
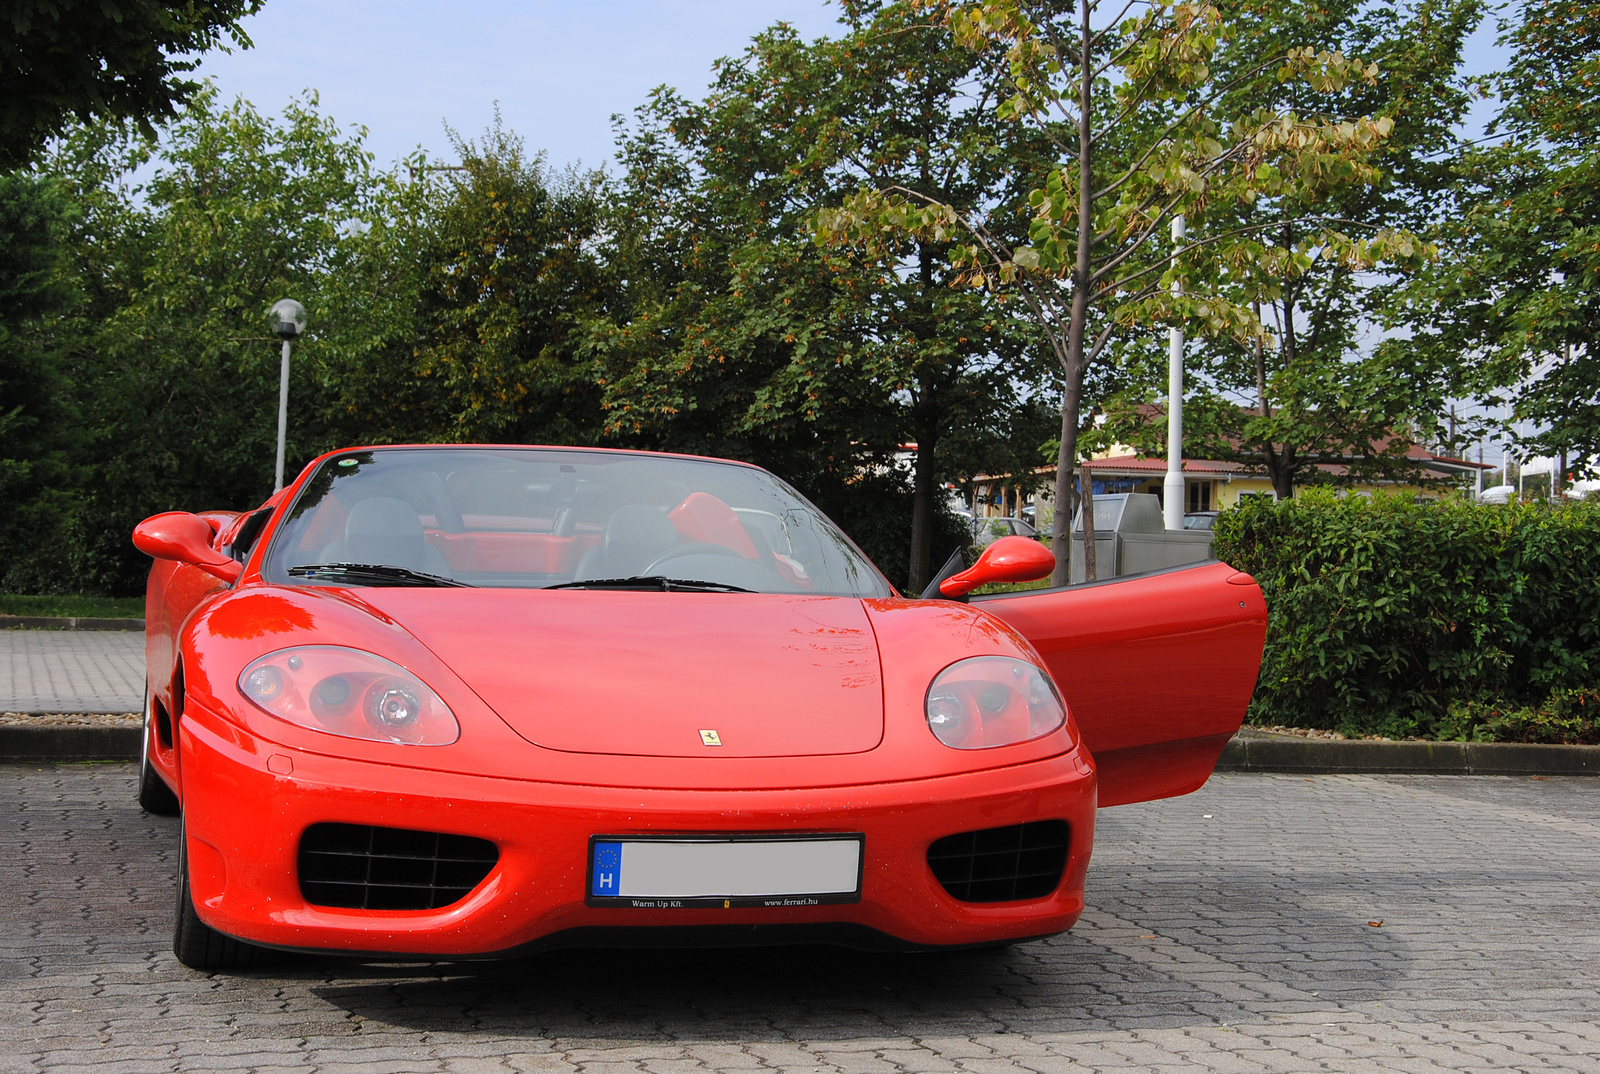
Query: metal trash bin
[1131,537]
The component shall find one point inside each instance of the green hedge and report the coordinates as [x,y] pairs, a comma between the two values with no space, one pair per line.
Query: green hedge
[1443,619]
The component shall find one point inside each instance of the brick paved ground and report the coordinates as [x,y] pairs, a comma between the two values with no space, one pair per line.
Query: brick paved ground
[1236,941]
[71,671]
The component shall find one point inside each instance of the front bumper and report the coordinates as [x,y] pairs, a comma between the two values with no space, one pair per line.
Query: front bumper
[247,801]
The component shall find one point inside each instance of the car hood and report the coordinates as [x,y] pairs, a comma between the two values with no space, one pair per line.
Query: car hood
[659,674]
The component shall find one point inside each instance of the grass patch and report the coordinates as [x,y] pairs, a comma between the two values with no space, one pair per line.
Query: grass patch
[68,606]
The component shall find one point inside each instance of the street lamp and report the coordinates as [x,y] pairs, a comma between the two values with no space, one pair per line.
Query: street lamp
[288,320]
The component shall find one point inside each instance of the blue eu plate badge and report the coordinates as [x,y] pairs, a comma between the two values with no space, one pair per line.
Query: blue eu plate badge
[607,872]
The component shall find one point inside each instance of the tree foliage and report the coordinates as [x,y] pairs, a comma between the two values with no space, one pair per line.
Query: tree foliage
[948,225]
[172,278]
[65,60]
[739,336]
[1317,391]
[1143,125]
[37,416]
[1517,295]
[467,289]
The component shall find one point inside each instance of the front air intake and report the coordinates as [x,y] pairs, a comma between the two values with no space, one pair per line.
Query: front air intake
[367,868]
[1022,861]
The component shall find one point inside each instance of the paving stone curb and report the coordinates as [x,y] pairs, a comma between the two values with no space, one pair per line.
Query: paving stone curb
[70,622]
[1255,751]
[1251,751]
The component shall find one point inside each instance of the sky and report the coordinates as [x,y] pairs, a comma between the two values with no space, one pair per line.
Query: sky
[559,70]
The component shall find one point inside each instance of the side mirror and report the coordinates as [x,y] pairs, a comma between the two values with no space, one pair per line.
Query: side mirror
[1010,559]
[184,538]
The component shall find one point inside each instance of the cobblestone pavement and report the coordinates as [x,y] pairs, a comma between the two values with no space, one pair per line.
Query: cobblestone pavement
[71,671]
[1228,931]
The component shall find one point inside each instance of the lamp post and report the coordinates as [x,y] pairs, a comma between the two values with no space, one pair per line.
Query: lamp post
[288,320]
[1174,494]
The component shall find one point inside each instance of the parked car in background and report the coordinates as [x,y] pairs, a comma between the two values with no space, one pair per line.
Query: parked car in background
[1199,520]
[992,529]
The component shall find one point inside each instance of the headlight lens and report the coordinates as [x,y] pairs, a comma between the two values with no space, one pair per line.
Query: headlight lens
[987,701]
[348,692]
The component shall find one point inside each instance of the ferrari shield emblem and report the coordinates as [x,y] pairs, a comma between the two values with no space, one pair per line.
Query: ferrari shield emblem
[710,738]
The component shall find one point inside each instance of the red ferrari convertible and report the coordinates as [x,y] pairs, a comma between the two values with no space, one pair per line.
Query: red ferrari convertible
[470,701]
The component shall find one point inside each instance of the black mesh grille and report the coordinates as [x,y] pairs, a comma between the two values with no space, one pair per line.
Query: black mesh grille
[390,868]
[1023,861]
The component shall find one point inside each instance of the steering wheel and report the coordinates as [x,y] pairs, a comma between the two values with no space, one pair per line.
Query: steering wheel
[694,548]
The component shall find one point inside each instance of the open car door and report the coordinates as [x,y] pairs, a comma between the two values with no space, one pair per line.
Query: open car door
[1157,669]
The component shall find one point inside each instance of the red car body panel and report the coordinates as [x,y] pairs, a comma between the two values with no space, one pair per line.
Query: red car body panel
[580,714]
[691,661]
[243,857]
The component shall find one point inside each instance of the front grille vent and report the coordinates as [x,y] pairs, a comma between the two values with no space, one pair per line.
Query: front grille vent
[1022,861]
[366,868]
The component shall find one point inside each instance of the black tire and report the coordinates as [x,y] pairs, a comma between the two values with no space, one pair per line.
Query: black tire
[198,945]
[154,794]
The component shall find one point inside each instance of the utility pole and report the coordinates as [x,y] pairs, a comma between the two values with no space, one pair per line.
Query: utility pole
[1479,490]
[1558,479]
[1173,490]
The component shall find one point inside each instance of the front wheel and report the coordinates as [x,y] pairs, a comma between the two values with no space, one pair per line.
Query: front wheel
[154,794]
[198,945]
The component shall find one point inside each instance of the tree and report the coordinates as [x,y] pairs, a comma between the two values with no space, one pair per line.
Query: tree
[62,60]
[1138,118]
[750,340]
[731,335]
[440,309]
[36,413]
[909,109]
[168,338]
[476,275]
[1518,288]
[1320,395]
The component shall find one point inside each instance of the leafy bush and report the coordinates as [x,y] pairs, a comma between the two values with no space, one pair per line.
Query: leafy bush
[1567,717]
[1386,613]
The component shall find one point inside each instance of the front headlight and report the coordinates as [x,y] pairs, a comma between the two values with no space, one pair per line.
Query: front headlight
[987,701]
[348,692]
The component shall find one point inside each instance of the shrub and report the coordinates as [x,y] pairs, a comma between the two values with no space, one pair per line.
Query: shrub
[1384,613]
[1570,717]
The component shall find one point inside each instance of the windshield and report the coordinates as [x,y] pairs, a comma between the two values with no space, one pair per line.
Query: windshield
[541,517]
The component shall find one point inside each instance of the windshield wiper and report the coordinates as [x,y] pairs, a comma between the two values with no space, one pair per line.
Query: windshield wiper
[653,581]
[373,574]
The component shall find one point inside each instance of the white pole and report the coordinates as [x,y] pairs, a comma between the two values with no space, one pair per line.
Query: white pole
[1173,491]
[283,414]
[1479,489]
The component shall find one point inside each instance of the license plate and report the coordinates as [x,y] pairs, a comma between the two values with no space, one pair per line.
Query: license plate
[728,871]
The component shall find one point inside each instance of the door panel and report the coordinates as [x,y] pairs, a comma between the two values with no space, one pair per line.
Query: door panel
[1157,669]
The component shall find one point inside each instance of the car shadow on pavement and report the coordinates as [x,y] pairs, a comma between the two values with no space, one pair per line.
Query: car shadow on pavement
[741,993]
[1102,975]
